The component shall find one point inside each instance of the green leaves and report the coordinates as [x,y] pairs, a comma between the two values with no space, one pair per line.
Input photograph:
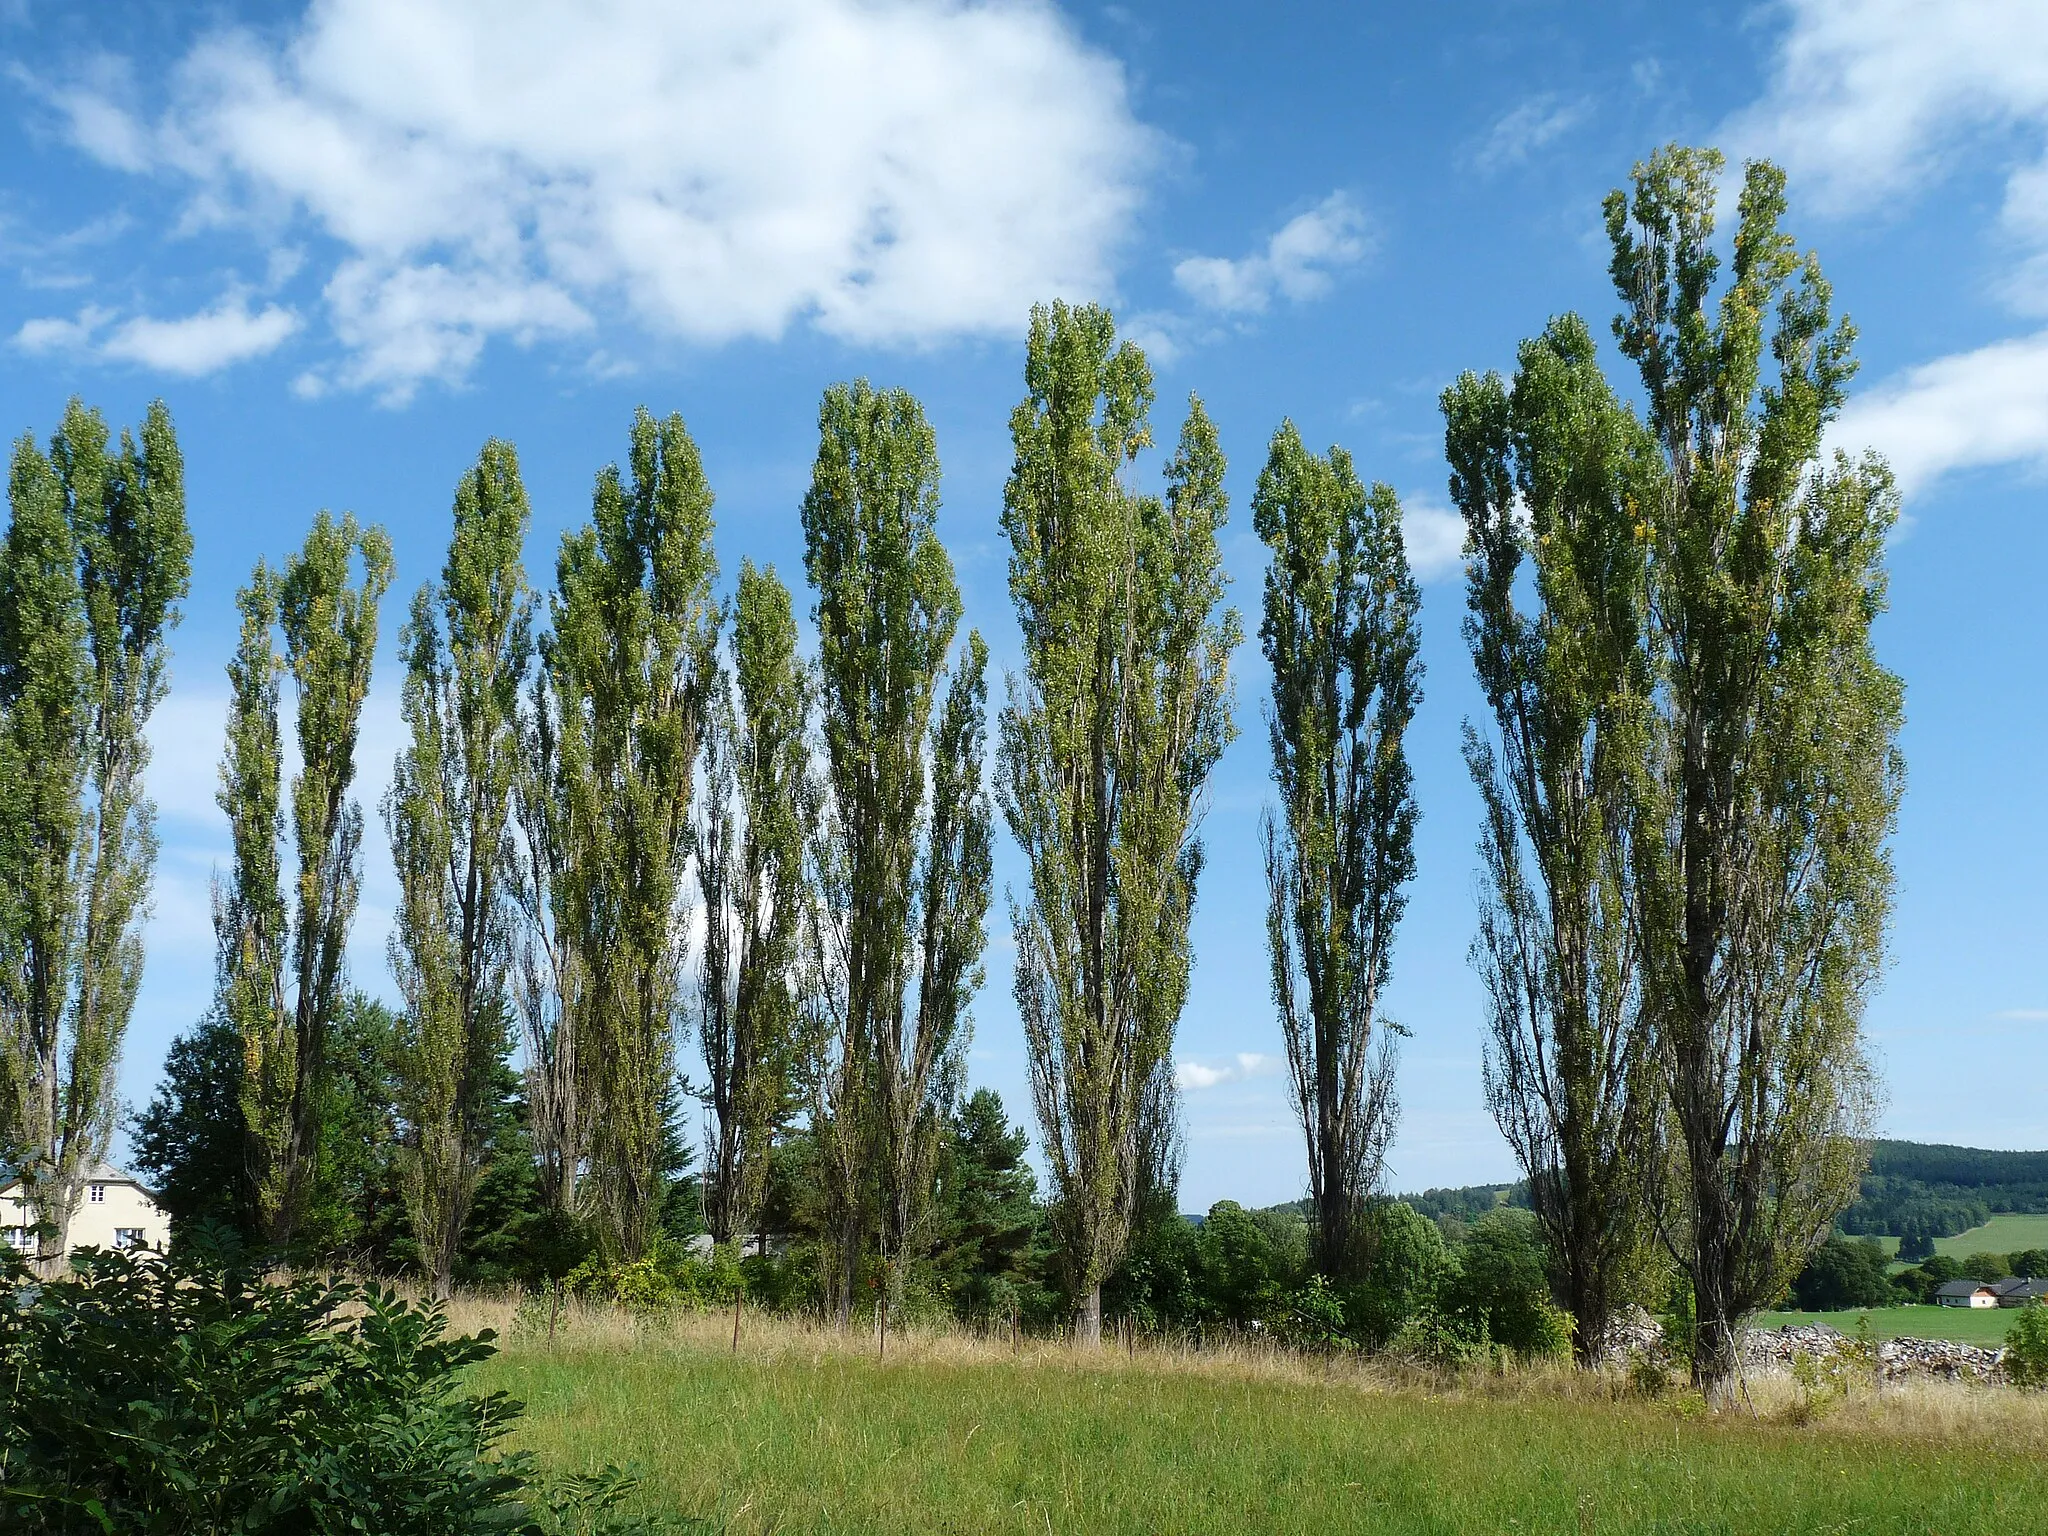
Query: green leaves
[281,952]
[95,560]
[1340,634]
[1106,745]
[467,648]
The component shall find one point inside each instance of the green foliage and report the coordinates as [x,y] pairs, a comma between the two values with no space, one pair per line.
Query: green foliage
[1340,635]
[1843,1273]
[1986,1266]
[192,1394]
[1408,1266]
[629,668]
[759,797]
[1548,474]
[95,561]
[2026,1348]
[281,981]
[1106,745]
[989,1253]
[466,646]
[901,882]
[1501,1287]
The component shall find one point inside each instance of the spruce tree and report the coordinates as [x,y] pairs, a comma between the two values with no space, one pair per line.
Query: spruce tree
[96,559]
[1107,742]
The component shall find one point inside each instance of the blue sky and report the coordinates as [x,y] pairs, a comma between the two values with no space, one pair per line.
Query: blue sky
[347,244]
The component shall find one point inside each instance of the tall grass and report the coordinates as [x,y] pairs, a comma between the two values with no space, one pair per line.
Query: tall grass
[803,1429]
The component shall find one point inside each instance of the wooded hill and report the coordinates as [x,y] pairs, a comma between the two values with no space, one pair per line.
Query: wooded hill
[1912,1189]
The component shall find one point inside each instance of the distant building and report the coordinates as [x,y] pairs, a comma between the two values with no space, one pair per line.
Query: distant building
[2017,1293]
[114,1211]
[1967,1293]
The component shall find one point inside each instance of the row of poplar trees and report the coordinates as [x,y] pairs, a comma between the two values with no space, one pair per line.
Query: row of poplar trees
[1689,778]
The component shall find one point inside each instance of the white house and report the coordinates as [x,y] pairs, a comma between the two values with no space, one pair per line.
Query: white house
[114,1211]
[1966,1293]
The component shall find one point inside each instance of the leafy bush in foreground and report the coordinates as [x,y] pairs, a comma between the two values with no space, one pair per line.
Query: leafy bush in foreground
[145,1394]
[2026,1347]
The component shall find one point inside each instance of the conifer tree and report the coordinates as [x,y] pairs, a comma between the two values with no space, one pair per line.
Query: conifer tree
[96,559]
[466,647]
[1341,638]
[900,883]
[1549,476]
[281,953]
[1106,746]
[630,664]
[757,804]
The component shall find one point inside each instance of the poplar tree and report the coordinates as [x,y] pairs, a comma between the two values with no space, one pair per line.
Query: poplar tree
[281,952]
[1341,638]
[466,648]
[758,802]
[901,884]
[96,559]
[630,664]
[1550,476]
[1772,776]
[1106,745]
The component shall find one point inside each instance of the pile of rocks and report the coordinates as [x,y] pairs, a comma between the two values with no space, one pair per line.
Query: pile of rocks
[1775,1349]
[1629,1333]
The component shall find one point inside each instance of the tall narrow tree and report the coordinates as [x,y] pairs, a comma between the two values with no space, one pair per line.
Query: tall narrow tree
[887,608]
[1106,747]
[96,558]
[1772,778]
[466,648]
[630,665]
[1549,476]
[281,955]
[757,804]
[1341,638]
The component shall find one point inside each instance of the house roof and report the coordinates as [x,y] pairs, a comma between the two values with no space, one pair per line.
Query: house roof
[97,1173]
[1964,1288]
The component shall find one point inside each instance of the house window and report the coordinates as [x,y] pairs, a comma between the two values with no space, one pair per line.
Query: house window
[98,1194]
[21,1239]
[127,1237]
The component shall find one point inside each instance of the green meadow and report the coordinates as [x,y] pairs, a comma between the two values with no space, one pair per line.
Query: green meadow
[2001,1234]
[1965,1325]
[803,1434]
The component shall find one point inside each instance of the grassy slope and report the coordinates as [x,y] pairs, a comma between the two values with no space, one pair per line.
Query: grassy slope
[2001,1234]
[810,1440]
[1966,1325]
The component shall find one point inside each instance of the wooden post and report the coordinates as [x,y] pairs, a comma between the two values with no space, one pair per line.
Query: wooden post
[739,1300]
[554,1306]
[885,1316]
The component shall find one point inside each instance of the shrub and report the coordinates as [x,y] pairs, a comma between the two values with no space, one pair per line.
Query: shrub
[2031,1263]
[1986,1266]
[1407,1265]
[142,1393]
[1502,1289]
[2026,1348]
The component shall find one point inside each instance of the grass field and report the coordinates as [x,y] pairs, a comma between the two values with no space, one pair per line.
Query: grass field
[802,1433]
[2001,1234]
[1966,1325]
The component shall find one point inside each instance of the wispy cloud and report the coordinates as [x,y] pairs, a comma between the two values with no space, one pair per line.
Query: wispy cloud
[1435,536]
[1520,133]
[2023,1015]
[227,333]
[1194,1076]
[1298,263]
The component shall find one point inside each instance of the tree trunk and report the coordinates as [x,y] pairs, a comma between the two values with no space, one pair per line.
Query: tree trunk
[1088,1318]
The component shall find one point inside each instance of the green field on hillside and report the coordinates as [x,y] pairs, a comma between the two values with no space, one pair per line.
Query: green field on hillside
[813,1440]
[2001,1234]
[1966,1325]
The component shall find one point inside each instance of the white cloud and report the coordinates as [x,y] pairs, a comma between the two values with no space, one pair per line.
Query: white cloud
[2023,1015]
[892,171]
[1435,536]
[1872,100]
[1989,406]
[1528,128]
[1296,264]
[1193,1076]
[230,332]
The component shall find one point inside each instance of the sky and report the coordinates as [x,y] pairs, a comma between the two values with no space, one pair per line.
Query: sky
[349,243]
